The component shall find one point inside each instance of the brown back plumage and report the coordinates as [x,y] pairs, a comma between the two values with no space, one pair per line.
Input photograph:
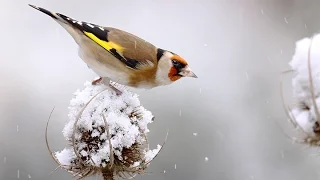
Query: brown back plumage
[134,47]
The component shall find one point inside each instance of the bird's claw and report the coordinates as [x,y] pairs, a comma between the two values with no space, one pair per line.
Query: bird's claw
[95,82]
[100,79]
[117,91]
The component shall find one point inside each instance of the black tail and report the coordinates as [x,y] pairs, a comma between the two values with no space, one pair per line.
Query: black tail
[44,11]
[60,17]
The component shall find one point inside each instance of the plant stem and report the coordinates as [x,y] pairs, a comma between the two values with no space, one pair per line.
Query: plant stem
[107,174]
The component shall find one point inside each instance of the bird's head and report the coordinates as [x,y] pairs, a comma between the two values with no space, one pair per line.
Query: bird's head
[172,67]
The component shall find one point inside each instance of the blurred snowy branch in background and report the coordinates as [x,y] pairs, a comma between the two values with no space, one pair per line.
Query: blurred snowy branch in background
[107,134]
[304,114]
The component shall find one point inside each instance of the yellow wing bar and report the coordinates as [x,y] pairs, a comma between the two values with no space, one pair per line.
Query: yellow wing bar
[106,45]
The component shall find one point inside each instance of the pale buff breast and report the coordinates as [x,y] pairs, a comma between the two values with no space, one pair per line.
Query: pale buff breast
[103,63]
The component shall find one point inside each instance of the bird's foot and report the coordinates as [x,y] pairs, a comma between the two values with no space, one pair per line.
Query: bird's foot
[96,81]
[117,91]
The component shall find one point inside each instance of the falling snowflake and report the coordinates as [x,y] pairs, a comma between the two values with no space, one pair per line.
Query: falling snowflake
[206,159]
[195,134]
[282,154]
[247,75]
[285,19]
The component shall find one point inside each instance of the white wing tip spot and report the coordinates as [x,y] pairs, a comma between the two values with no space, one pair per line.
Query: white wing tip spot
[90,25]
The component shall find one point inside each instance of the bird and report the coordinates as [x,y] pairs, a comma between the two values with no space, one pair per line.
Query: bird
[116,55]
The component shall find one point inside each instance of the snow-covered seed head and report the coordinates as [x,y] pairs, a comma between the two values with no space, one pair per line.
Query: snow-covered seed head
[305,115]
[107,134]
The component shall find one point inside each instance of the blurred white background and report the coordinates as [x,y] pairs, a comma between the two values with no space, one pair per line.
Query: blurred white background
[237,48]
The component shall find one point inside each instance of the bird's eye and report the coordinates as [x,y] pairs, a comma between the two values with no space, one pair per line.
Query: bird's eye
[175,62]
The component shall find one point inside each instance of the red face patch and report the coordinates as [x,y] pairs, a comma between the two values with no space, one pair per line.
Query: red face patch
[173,74]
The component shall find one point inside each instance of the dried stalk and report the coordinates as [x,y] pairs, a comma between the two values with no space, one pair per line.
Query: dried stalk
[115,166]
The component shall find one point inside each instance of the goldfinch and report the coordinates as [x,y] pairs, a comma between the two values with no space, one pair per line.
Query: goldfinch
[118,56]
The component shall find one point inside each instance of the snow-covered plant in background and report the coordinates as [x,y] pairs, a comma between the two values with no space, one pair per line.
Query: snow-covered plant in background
[107,134]
[304,114]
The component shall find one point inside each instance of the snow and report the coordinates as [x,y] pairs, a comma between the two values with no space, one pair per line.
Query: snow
[306,117]
[150,154]
[65,156]
[125,119]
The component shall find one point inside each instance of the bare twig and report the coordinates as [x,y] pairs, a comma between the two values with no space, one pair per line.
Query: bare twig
[311,84]
[46,137]
[109,139]
[75,126]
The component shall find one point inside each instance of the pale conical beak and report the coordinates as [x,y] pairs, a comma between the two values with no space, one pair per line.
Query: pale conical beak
[186,72]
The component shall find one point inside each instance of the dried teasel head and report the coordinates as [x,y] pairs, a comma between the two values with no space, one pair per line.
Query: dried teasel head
[304,115]
[107,135]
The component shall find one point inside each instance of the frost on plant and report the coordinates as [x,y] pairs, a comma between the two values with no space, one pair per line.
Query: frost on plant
[106,133]
[305,65]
